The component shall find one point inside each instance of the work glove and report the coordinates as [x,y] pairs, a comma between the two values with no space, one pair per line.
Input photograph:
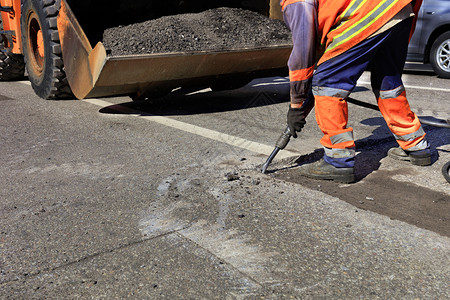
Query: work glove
[296,119]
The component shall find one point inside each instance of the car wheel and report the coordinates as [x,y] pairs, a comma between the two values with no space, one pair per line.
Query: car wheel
[440,55]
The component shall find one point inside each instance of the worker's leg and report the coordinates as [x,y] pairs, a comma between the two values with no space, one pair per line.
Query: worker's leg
[332,84]
[386,69]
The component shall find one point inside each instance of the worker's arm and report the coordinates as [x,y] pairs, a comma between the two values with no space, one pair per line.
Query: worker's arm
[301,18]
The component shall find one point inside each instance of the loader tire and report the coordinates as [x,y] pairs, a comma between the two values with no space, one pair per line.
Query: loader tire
[12,66]
[42,49]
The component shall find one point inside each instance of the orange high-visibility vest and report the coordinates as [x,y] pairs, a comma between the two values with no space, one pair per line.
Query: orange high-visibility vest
[342,24]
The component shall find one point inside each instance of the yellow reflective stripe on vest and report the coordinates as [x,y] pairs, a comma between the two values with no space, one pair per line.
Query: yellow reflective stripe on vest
[362,24]
[352,7]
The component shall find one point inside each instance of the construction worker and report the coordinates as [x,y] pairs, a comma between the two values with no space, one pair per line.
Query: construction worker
[341,39]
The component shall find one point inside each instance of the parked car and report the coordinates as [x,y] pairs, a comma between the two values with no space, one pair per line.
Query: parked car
[430,42]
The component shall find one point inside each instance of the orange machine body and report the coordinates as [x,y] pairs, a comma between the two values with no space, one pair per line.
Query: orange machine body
[11,22]
[64,60]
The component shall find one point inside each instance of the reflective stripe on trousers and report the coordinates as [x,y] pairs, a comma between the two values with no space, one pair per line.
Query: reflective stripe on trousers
[402,122]
[332,117]
[384,55]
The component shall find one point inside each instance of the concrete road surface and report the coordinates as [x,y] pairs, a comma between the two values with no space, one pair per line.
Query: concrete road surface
[163,199]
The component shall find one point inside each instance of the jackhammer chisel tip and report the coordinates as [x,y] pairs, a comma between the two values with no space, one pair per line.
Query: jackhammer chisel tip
[269,160]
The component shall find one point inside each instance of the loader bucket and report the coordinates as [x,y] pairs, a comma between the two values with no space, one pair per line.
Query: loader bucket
[92,73]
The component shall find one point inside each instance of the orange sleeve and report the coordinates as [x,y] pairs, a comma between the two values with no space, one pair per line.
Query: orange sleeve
[285,3]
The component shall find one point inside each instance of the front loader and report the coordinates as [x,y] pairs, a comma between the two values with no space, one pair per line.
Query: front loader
[58,42]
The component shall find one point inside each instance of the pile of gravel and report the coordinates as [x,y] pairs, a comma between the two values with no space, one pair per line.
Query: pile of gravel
[212,30]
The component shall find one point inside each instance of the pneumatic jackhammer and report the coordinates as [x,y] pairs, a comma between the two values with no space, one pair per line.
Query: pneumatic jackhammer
[285,137]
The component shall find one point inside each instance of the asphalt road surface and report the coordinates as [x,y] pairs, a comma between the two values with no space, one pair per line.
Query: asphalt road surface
[163,199]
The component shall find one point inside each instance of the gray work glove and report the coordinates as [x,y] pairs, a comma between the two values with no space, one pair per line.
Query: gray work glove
[296,119]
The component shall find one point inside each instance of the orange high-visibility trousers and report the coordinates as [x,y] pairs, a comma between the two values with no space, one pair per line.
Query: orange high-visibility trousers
[334,80]
[402,122]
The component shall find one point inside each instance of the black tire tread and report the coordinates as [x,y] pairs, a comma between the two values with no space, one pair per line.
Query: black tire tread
[12,66]
[59,86]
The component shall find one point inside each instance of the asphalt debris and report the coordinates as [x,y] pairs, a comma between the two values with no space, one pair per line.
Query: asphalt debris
[215,29]
[232,176]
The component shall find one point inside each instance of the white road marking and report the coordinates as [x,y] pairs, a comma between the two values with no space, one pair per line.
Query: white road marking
[360,82]
[212,134]
[26,82]
[204,132]
[270,84]
[412,87]
[197,130]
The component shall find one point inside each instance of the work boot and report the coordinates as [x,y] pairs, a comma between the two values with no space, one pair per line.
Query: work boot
[324,171]
[418,158]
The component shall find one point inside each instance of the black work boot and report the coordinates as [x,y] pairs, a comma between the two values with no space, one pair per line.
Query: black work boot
[418,158]
[324,171]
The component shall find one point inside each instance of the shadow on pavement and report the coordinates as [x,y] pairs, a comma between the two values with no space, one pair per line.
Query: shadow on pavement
[201,100]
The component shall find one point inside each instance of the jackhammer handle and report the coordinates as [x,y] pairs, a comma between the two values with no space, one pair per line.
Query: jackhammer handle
[284,138]
[281,143]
